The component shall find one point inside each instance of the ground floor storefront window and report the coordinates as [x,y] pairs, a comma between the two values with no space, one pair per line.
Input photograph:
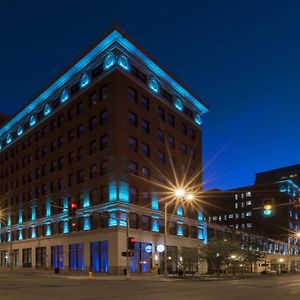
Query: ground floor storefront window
[57,257]
[40,257]
[4,258]
[27,258]
[76,257]
[99,256]
[142,259]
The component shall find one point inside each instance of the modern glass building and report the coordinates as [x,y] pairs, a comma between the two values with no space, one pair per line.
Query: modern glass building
[116,133]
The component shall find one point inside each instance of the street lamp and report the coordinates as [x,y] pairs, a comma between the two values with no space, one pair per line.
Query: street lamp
[179,193]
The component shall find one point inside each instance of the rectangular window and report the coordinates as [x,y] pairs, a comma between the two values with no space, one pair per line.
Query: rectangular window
[27,258]
[76,258]
[103,142]
[104,92]
[145,103]
[57,257]
[103,117]
[133,191]
[132,119]
[132,95]
[133,167]
[184,128]
[133,144]
[79,108]
[171,120]
[99,257]
[93,123]
[161,113]
[145,149]
[161,157]
[160,135]
[80,130]
[145,126]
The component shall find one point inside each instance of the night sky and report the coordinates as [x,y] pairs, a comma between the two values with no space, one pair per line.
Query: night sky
[241,57]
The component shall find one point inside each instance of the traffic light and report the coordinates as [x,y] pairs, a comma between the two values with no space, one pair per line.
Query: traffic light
[72,208]
[268,209]
[130,243]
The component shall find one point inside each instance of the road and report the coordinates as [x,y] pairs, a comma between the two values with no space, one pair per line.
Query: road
[32,286]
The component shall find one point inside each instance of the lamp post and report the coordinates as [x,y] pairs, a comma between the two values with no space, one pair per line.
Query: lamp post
[181,194]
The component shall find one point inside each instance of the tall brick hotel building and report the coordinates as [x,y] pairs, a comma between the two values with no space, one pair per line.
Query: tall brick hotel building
[110,132]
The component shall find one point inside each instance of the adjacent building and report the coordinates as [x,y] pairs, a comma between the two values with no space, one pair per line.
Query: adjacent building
[112,132]
[266,208]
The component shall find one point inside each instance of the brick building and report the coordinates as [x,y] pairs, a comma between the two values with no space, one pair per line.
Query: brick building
[105,133]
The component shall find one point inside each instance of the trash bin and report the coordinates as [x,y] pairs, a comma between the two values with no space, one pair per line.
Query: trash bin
[56,270]
[125,272]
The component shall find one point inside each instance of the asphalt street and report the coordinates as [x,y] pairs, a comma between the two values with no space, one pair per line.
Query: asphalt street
[31,286]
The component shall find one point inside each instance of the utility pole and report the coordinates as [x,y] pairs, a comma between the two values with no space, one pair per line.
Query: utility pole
[128,275]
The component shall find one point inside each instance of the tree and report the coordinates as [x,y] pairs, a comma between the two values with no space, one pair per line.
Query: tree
[218,252]
[251,252]
[188,259]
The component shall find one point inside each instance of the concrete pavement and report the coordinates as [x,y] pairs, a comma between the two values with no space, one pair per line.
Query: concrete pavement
[46,286]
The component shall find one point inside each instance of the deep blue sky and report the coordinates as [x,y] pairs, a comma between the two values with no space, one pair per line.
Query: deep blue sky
[241,57]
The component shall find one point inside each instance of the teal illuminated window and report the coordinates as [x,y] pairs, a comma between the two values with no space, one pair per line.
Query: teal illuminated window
[123,63]
[178,104]
[20,131]
[85,80]
[109,61]
[8,139]
[47,109]
[153,85]
[198,119]
[65,96]
[32,120]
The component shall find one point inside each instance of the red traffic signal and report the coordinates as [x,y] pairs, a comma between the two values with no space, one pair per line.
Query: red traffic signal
[130,243]
[72,208]
[296,203]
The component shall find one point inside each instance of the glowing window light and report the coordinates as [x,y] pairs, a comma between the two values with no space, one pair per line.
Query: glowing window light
[179,211]
[109,61]
[65,96]
[32,120]
[20,131]
[155,226]
[123,191]
[178,104]
[200,216]
[85,80]
[123,62]
[86,223]
[8,139]
[153,85]
[113,220]
[154,202]
[33,232]
[179,230]
[198,119]
[112,191]
[66,227]
[47,109]
[86,201]
[123,221]
[20,235]
[20,217]
[48,230]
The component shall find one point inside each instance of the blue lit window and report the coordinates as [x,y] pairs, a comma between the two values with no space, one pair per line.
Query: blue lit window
[20,131]
[153,85]
[85,80]
[65,96]
[99,257]
[57,257]
[47,109]
[109,61]
[76,257]
[32,120]
[179,230]
[178,104]
[155,226]
[113,220]
[154,202]
[123,63]
[179,211]
[8,139]
[198,119]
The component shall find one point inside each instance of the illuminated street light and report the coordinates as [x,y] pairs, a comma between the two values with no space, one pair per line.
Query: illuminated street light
[179,192]
[298,234]
[233,256]
[189,197]
[281,260]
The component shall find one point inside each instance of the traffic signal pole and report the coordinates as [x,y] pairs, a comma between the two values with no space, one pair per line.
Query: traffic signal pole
[128,275]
